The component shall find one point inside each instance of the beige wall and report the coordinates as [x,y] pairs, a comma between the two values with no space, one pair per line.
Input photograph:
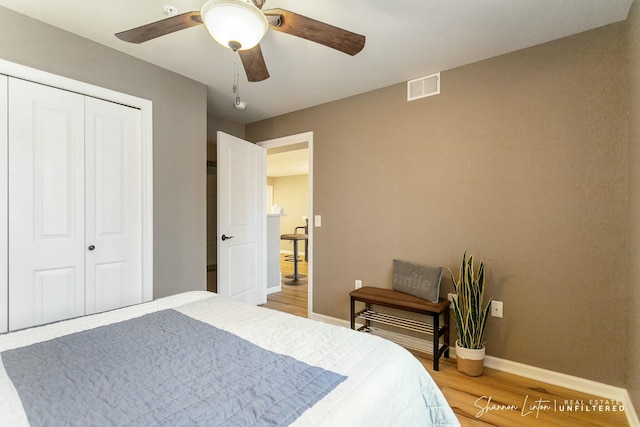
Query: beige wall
[179,128]
[633,300]
[520,160]
[215,124]
[292,194]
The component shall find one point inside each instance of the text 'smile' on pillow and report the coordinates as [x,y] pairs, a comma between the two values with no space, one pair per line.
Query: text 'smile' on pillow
[417,280]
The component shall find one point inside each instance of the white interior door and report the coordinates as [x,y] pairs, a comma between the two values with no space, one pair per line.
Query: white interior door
[113,206]
[46,204]
[241,227]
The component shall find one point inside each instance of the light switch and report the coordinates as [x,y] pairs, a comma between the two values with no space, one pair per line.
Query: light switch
[317,220]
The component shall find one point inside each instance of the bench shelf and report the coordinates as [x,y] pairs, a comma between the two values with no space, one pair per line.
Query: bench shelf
[380,297]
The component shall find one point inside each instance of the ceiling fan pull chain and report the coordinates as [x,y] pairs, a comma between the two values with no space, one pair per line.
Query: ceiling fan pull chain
[236,81]
[236,77]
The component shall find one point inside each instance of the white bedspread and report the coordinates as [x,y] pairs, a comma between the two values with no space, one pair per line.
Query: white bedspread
[386,385]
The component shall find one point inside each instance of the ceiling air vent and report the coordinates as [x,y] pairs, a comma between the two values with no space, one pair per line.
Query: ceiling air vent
[423,87]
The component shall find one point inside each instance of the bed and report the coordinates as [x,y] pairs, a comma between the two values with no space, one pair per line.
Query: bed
[201,359]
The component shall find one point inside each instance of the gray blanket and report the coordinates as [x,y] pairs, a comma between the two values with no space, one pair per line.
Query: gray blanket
[163,368]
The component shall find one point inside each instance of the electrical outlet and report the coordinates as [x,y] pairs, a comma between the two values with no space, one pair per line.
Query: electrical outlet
[496,309]
[451,296]
[358,284]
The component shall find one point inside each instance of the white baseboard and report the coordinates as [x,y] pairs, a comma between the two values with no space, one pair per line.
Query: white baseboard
[632,415]
[330,320]
[567,381]
[555,378]
[550,377]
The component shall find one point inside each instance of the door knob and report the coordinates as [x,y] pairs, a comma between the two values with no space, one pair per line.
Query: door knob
[91,247]
[225,237]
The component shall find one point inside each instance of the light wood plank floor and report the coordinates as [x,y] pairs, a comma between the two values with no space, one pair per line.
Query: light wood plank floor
[293,298]
[534,403]
[516,401]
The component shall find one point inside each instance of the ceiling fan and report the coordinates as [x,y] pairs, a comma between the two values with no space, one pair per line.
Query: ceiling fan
[240,25]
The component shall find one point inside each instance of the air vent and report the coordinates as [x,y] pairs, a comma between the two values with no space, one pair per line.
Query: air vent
[423,87]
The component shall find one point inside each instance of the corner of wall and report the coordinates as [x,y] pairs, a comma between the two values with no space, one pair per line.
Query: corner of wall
[632,366]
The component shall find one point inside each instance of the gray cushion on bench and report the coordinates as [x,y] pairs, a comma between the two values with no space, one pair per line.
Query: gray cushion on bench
[417,280]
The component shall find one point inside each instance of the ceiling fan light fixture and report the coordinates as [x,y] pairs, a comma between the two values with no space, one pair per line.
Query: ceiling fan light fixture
[233,22]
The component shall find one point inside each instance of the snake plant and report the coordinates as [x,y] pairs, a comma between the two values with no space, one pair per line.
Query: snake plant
[471,316]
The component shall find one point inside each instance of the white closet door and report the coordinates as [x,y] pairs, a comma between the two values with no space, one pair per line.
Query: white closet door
[46,204]
[4,247]
[113,206]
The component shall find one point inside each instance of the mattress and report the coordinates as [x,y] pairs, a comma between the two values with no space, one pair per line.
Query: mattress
[336,376]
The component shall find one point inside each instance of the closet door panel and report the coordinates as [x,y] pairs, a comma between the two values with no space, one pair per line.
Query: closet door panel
[54,292]
[113,206]
[46,204]
[4,254]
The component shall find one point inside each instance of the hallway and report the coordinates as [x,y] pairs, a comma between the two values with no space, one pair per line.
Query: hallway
[293,298]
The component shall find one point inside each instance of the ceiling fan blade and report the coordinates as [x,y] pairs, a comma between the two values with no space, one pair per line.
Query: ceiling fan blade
[160,28]
[316,31]
[254,65]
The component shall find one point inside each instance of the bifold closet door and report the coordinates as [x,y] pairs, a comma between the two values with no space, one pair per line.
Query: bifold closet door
[46,204]
[113,206]
[75,205]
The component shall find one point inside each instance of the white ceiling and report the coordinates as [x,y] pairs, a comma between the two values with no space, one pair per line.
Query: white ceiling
[405,39]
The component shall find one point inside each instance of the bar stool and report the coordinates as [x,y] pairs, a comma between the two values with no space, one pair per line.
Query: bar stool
[289,258]
[306,242]
[295,238]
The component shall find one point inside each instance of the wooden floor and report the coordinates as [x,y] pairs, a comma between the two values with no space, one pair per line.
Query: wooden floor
[500,399]
[293,298]
[495,398]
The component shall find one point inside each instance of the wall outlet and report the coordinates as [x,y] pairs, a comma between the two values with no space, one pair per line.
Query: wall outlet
[358,284]
[496,309]
[451,296]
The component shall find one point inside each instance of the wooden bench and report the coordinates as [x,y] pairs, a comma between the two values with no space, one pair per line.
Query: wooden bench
[371,296]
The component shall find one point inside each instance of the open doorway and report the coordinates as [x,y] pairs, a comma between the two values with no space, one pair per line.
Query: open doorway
[290,201]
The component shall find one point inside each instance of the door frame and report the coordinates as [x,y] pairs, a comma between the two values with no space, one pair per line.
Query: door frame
[301,138]
[145,106]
